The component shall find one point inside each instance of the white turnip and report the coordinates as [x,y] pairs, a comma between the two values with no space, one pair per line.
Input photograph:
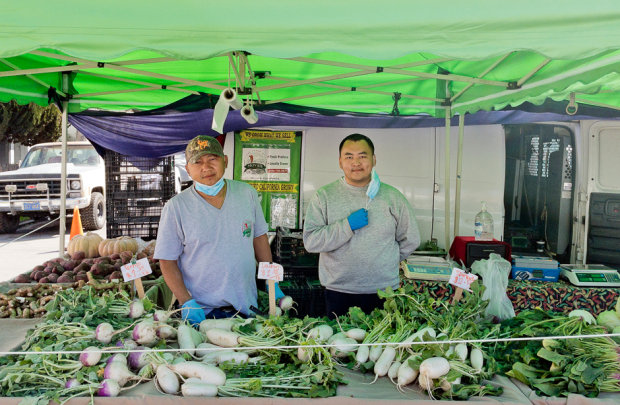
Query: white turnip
[206,372]
[108,388]
[357,334]
[185,339]
[168,381]
[321,333]
[223,338]
[435,367]
[144,332]
[201,389]
[90,356]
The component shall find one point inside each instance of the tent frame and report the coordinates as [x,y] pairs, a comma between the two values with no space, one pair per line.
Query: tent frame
[238,62]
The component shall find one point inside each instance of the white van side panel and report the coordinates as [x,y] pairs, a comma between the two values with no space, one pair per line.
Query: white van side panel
[483,177]
[405,160]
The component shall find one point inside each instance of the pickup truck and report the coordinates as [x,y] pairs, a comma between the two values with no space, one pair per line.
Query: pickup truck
[33,190]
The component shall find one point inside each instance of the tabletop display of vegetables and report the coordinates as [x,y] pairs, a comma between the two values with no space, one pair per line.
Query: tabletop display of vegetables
[90,253]
[274,356]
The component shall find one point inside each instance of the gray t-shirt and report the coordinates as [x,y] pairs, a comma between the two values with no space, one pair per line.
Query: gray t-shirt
[364,260]
[214,247]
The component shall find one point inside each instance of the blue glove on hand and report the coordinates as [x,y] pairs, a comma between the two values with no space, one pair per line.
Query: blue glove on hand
[279,293]
[191,311]
[358,219]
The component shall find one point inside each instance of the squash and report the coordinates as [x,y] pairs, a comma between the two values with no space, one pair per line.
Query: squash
[89,244]
[149,250]
[118,245]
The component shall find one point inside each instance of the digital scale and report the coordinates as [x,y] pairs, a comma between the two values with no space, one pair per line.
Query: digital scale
[590,275]
[426,268]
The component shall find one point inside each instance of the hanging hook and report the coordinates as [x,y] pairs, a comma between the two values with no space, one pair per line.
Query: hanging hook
[571,108]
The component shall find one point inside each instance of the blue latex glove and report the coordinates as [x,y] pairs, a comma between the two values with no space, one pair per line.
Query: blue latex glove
[279,293]
[358,219]
[191,311]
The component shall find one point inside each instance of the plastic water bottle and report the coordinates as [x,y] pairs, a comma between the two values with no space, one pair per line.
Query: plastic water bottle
[483,227]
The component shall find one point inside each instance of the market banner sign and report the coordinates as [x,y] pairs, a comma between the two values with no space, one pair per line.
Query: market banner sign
[248,135]
[270,161]
[266,164]
[280,188]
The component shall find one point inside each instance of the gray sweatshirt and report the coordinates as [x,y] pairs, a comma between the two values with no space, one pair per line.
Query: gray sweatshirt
[364,260]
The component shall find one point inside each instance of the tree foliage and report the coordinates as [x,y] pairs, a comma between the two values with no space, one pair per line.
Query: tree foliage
[29,124]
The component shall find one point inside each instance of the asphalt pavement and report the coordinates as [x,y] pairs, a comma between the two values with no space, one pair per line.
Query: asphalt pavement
[21,256]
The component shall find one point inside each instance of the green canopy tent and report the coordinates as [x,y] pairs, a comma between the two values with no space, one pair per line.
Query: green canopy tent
[405,57]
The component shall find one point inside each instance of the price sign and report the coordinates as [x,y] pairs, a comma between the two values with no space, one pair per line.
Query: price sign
[270,271]
[140,269]
[460,279]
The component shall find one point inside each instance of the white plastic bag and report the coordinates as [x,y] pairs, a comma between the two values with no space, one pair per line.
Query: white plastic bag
[495,272]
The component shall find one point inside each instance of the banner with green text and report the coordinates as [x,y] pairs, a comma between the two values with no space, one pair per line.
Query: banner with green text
[270,161]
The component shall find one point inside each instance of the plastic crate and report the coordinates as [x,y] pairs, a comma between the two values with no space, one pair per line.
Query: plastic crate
[134,210]
[299,291]
[146,230]
[137,189]
[523,273]
[290,250]
[317,303]
[129,176]
[299,273]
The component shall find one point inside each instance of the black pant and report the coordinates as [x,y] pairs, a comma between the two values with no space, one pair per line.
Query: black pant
[338,303]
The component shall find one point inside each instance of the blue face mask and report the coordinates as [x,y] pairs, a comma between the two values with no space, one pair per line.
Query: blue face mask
[210,190]
[373,186]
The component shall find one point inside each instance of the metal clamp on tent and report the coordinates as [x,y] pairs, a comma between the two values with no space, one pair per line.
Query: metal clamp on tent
[571,108]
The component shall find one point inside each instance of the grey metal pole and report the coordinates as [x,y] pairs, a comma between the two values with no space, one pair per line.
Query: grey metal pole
[63,171]
[447,185]
[459,170]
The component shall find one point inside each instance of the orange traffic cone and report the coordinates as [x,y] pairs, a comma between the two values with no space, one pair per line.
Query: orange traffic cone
[76,224]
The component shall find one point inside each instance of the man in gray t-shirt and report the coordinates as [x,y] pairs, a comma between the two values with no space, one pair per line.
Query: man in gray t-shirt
[361,242]
[209,237]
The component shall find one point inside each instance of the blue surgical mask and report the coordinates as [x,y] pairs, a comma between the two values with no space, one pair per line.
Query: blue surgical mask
[210,190]
[373,186]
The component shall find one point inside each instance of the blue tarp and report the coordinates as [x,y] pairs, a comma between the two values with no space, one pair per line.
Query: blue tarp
[166,131]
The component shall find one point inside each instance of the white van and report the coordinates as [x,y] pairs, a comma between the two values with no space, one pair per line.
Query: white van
[553,182]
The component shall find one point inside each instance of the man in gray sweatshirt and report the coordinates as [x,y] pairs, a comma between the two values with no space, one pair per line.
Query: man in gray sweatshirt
[361,241]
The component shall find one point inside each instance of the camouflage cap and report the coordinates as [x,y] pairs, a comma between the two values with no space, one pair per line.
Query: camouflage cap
[202,145]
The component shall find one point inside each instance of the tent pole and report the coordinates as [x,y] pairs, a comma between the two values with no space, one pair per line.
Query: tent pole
[459,170]
[63,170]
[447,184]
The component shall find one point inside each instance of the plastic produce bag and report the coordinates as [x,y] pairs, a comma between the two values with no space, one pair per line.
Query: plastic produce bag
[495,272]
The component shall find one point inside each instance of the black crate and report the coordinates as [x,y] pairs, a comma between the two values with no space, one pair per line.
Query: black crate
[298,273]
[145,230]
[137,177]
[134,209]
[290,250]
[137,189]
[317,302]
[299,291]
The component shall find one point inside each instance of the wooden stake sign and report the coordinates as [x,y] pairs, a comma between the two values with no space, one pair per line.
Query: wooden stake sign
[134,271]
[461,281]
[271,272]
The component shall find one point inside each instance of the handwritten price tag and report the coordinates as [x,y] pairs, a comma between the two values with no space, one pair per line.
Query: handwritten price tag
[270,271]
[142,268]
[463,280]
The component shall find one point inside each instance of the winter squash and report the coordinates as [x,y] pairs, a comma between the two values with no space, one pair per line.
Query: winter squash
[89,244]
[118,245]
[149,250]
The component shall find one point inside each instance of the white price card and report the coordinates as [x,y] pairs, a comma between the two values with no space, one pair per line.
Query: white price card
[460,279]
[130,271]
[270,271]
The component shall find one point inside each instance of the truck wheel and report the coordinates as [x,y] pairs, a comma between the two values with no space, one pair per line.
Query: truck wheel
[8,223]
[93,216]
